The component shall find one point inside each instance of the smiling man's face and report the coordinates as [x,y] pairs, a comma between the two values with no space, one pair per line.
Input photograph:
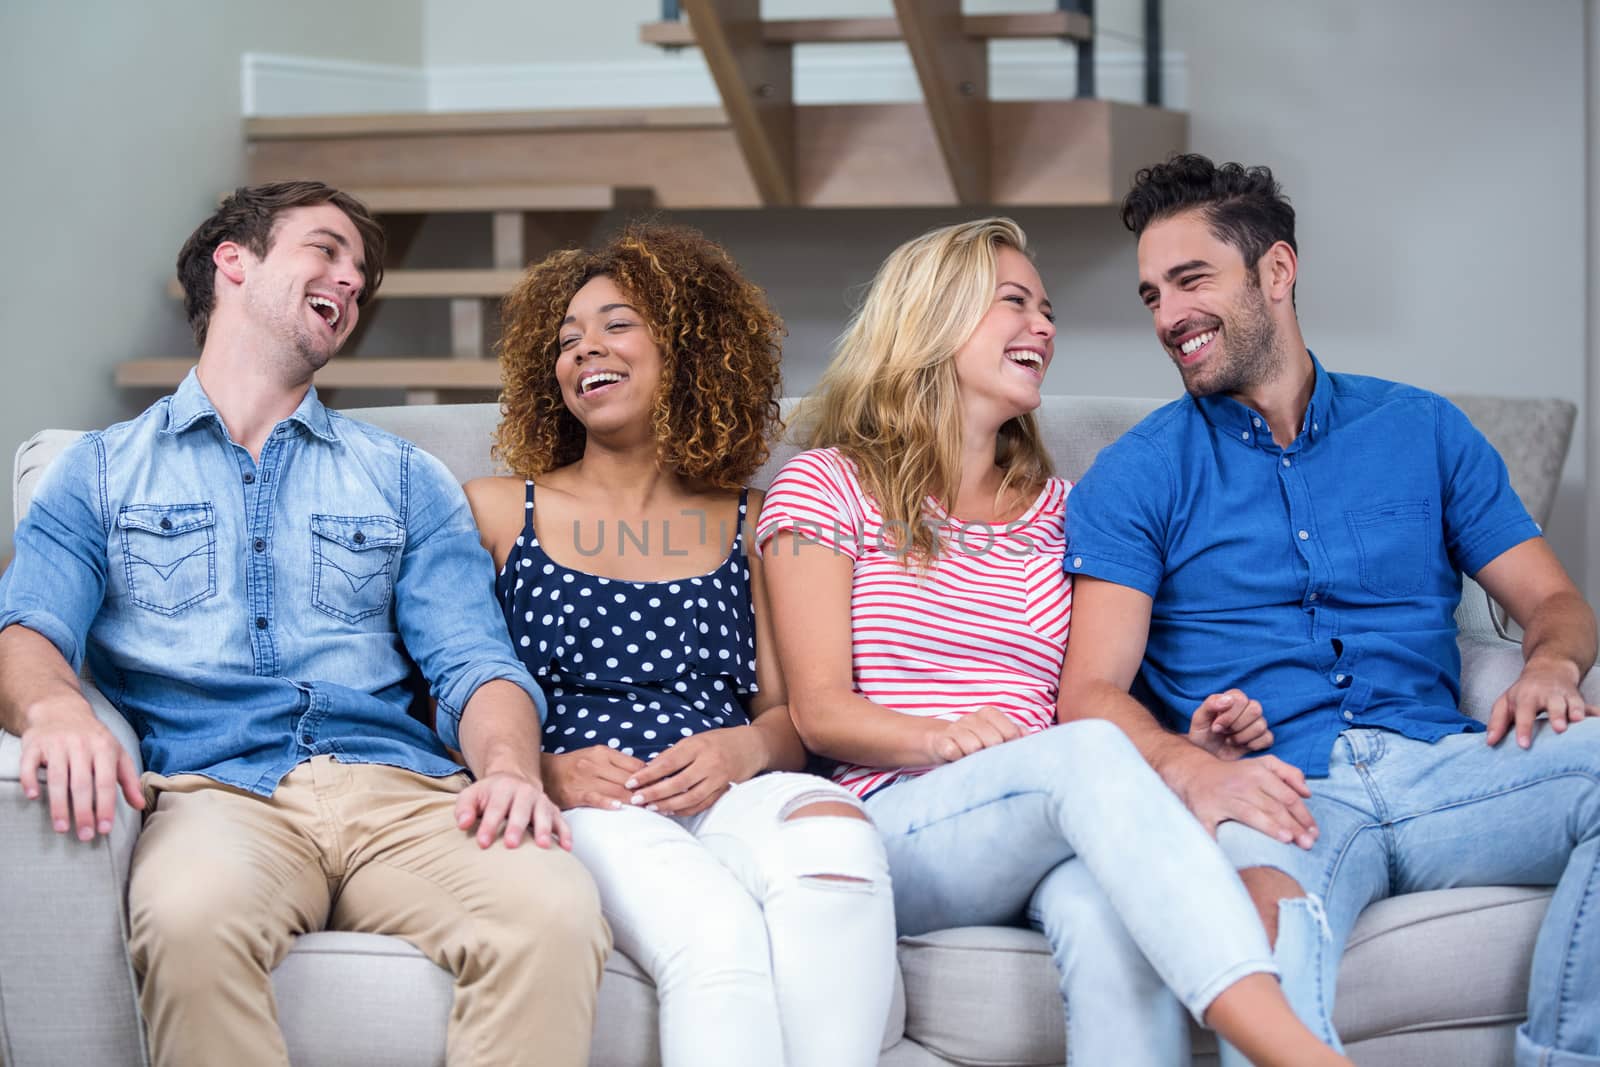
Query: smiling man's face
[1209,311]
[305,289]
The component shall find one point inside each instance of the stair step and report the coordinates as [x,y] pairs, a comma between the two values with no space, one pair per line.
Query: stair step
[312,127]
[1041,153]
[1068,25]
[428,284]
[347,372]
[423,199]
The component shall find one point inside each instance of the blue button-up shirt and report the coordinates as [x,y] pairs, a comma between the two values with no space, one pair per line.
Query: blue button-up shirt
[248,616]
[1321,578]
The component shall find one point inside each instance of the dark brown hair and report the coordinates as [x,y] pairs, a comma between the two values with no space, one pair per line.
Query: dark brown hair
[247,217]
[716,412]
[1244,206]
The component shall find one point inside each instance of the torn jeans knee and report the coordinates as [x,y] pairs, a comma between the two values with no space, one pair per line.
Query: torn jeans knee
[1304,942]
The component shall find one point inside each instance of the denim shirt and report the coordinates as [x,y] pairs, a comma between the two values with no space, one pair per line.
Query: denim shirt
[248,616]
[1321,578]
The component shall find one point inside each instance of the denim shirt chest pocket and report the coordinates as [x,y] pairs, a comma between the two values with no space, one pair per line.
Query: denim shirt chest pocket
[169,554]
[1394,543]
[353,558]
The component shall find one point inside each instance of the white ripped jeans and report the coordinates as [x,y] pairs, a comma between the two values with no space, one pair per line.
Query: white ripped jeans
[770,938]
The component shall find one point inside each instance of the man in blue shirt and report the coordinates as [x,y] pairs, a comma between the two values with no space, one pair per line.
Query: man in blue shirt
[251,578]
[1292,540]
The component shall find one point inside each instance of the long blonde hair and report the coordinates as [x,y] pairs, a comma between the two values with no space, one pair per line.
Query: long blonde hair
[890,402]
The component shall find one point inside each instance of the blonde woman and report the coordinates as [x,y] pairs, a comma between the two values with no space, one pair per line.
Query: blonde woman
[921,615]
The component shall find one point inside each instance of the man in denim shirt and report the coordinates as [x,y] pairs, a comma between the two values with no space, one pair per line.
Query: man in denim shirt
[1291,541]
[249,578]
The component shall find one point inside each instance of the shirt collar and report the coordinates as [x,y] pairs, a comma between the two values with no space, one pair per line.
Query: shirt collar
[1245,424]
[190,406]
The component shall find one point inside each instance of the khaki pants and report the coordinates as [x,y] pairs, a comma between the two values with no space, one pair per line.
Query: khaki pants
[223,881]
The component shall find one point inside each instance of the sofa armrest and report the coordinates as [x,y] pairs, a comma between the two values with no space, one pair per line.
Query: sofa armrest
[67,989]
[1488,667]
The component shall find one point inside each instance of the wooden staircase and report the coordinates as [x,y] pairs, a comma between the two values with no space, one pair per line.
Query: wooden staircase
[543,179]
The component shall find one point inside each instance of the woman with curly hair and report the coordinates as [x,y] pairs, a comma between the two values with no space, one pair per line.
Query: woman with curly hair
[921,615]
[639,395]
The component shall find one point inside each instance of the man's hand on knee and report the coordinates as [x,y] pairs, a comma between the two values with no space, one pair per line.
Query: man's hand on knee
[1543,687]
[84,766]
[515,803]
[1264,793]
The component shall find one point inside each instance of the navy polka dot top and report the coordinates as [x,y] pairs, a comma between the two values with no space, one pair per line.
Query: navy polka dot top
[634,665]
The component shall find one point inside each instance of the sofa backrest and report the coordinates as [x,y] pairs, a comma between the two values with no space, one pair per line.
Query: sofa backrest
[1531,434]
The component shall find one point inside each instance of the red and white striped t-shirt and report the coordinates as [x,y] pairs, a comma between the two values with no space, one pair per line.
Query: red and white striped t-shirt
[985,624]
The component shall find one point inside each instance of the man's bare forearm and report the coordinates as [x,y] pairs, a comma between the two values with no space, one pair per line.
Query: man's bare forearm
[500,731]
[33,677]
[1562,630]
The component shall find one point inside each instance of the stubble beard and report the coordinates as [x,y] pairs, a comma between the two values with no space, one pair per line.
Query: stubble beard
[1249,357]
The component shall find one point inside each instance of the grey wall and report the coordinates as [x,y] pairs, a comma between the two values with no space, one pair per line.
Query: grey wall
[1434,150]
[120,128]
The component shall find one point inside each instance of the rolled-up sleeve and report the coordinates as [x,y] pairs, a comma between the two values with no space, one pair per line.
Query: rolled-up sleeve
[1116,516]
[816,497]
[57,579]
[444,599]
[1483,516]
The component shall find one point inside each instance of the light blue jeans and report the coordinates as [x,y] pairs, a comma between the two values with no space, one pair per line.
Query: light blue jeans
[1403,816]
[1071,830]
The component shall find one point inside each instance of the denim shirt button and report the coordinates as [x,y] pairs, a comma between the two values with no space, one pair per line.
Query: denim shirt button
[249,478]
[259,545]
[1349,716]
[166,524]
[360,538]
[261,622]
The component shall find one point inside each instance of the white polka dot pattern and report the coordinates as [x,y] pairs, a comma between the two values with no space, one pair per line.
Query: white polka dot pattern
[682,662]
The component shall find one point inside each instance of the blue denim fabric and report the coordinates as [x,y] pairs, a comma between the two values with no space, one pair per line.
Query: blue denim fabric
[1069,829]
[248,616]
[1321,578]
[1403,816]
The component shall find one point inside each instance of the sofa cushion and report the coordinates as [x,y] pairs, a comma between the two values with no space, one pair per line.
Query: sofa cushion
[358,999]
[355,999]
[1426,961]
[1416,963]
[983,994]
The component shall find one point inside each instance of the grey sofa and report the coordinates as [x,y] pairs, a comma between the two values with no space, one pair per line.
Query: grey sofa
[1431,980]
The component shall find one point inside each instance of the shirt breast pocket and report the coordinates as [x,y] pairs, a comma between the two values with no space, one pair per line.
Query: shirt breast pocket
[1394,544]
[352,561]
[169,555]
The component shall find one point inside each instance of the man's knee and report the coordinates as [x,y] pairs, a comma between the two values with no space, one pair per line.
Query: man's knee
[549,910]
[1268,886]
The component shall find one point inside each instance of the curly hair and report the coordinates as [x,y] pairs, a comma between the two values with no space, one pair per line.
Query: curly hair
[1244,206]
[716,411]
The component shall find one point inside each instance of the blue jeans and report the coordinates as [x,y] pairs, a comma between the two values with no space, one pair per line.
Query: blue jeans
[1071,830]
[1403,816]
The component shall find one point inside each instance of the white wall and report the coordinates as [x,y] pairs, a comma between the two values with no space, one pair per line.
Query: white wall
[120,128]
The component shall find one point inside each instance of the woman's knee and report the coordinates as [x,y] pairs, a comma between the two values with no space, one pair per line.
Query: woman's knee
[1081,751]
[831,840]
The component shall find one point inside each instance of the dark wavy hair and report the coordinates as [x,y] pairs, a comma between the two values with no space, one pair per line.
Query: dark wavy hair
[1244,206]
[716,412]
[247,217]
